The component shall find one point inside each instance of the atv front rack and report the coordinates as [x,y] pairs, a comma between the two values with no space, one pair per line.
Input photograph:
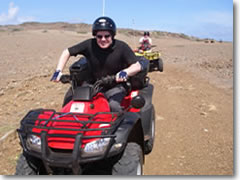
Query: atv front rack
[75,129]
[46,119]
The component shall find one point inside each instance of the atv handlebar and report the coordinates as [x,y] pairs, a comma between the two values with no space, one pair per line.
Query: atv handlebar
[66,78]
[106,80]
[98,85]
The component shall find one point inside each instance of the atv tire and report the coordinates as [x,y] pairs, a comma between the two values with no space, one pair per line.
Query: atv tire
[160,65]
[149,143]
[24,167]
[131,161]
[27,167]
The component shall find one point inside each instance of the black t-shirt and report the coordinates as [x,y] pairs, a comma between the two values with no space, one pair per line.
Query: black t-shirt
[103,62]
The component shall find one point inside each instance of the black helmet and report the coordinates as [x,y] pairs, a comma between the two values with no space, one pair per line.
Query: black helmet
[104,24]
[146,33]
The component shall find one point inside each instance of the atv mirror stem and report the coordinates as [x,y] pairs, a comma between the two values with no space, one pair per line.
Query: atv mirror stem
[138,102]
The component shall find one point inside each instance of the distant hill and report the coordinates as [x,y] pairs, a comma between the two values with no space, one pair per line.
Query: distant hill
[85,28]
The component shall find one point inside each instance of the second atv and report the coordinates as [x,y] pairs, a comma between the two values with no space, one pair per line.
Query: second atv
[155,62]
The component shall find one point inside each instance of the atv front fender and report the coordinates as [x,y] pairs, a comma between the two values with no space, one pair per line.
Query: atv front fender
[130,129]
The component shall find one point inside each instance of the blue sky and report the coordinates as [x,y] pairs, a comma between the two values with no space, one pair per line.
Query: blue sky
[200,18]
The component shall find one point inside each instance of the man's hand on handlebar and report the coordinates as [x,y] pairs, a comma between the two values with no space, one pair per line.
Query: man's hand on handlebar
[121,76]
[56,76]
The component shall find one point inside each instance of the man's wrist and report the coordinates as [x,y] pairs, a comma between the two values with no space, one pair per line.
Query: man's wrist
[56,76]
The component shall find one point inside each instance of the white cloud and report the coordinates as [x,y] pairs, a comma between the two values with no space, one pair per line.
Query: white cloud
[12,11]
[12,17]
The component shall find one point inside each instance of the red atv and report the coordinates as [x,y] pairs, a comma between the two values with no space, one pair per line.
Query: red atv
[85,137]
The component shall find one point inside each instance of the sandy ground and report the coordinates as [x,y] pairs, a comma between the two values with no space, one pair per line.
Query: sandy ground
[193,98]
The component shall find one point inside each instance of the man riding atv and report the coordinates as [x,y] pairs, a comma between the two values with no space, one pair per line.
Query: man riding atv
[105,55]
[107,122]
[145,42]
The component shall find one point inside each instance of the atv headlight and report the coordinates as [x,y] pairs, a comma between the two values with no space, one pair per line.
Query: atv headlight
[95,148]
[34,143]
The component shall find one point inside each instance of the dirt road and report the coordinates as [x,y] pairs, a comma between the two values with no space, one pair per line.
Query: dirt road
[193,99]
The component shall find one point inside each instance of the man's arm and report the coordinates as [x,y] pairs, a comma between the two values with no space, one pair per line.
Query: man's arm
[61,64]
[63,60]
[150,41]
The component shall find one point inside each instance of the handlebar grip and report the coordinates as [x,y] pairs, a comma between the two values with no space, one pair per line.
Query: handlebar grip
[65,79]
[108,79]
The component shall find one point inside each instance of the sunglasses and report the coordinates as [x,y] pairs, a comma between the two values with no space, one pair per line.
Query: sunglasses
[101,36]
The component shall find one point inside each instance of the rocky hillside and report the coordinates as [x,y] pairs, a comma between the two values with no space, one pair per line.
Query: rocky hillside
[85,28]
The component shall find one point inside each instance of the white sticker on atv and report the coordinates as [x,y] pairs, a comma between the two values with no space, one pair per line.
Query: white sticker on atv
[104,125]
[77,108]
[134,93]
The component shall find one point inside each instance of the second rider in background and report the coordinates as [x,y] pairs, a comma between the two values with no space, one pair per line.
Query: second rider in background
[145,42]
